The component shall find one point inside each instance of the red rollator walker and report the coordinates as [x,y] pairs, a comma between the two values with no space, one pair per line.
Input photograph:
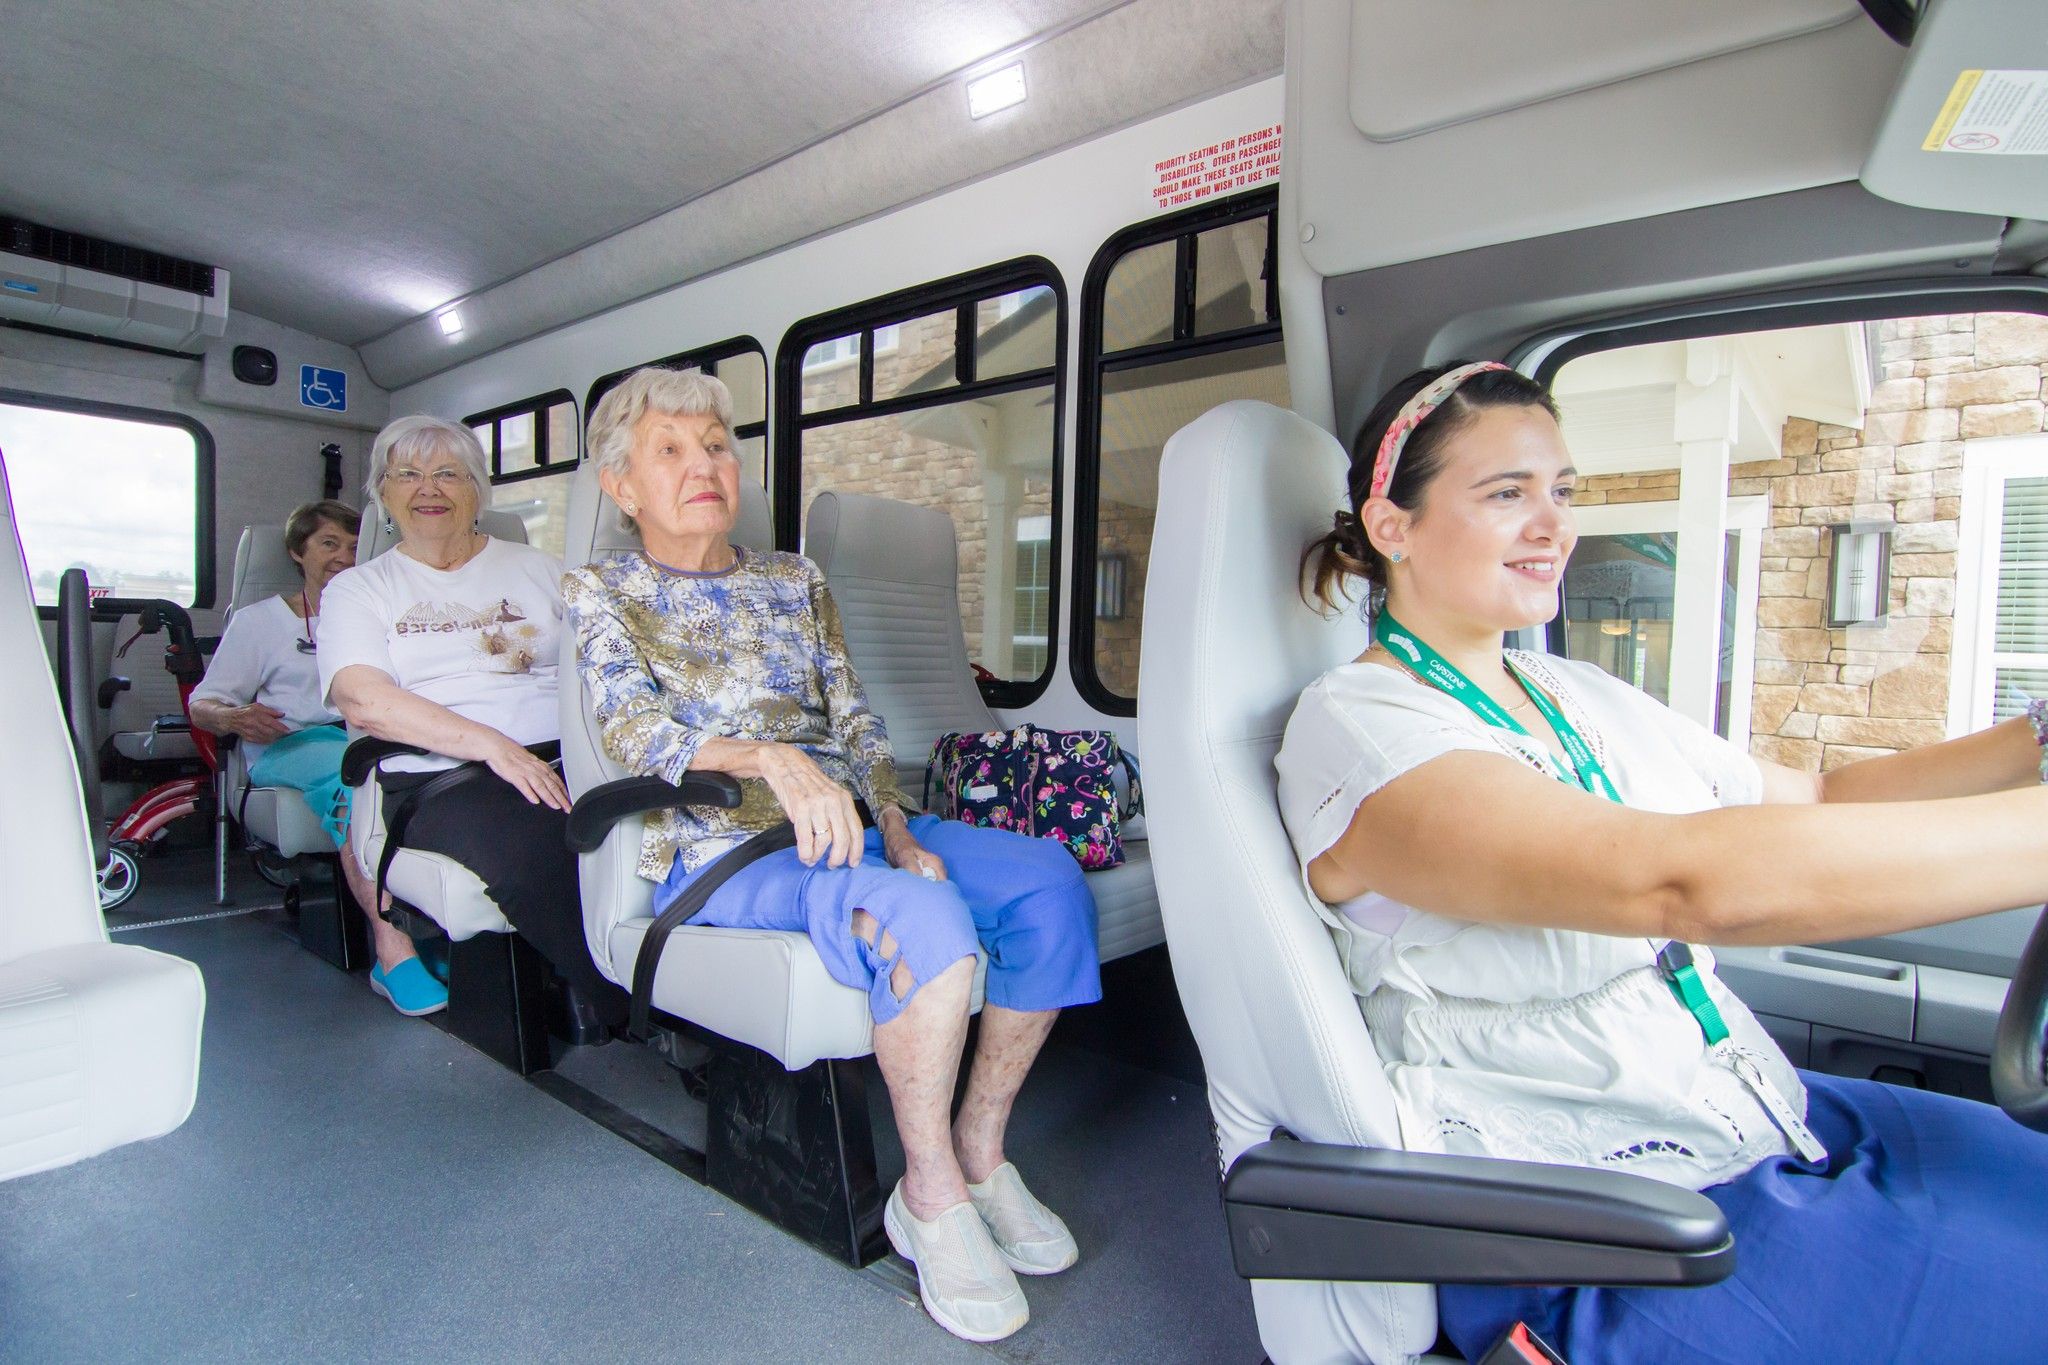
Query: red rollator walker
[148,817]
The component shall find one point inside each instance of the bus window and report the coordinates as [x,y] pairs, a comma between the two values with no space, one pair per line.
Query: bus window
[1825,542]
[1179,314]
[947,397]
[532,447]
[743,366]
[147,528]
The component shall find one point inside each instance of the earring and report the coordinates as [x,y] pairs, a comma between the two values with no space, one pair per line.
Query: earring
[1397,556]
[632,509]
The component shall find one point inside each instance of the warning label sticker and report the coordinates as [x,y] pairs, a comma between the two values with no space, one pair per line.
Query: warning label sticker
[1232,164]
[1996,112]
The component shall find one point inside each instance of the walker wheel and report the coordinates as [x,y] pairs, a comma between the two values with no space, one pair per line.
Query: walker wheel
[119,878]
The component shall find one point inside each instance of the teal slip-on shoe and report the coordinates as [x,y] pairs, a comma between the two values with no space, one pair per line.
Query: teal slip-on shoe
[410,988]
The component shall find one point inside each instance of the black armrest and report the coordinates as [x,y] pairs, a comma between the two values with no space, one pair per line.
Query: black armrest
[362,756]
[603,806]
[1316,1211]
[111,688]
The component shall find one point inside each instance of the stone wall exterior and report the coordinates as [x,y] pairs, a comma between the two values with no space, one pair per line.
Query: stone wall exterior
[1824,697]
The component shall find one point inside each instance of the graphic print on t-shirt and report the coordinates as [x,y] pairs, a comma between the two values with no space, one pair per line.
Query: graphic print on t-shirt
[506,641]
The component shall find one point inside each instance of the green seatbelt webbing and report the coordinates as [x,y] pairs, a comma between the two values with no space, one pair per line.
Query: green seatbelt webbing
[1675,960]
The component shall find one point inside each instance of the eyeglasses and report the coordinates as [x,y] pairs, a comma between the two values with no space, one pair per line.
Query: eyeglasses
[306,646]
[405,476]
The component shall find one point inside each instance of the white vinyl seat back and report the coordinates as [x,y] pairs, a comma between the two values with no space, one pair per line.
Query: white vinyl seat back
[1227,647]
[895,573]
[434,884]
[278,816]
[894,569]
[99,1041]
[765,988]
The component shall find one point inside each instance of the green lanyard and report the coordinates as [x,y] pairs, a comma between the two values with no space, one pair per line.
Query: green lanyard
[1675,960]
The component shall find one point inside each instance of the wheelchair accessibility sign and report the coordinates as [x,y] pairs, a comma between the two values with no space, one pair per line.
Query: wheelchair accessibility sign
[323,388]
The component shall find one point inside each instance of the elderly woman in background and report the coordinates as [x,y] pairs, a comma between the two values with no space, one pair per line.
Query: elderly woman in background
[701,655]
[264,688]
[449,642]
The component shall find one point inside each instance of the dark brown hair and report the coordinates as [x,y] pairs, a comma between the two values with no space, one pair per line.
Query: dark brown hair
[304,523]
[1344,552]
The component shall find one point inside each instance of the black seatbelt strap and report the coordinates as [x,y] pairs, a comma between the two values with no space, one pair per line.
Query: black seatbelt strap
[700,890]
[399,817]
[686,906]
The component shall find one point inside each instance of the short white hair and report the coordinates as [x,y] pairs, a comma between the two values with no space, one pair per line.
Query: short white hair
[675,393]
[413,440]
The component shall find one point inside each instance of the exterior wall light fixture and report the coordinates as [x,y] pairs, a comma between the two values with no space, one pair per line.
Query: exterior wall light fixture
[1859,572]
[1109,588]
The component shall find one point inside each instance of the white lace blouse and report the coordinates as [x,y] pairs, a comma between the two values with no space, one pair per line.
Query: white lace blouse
[1512,1041]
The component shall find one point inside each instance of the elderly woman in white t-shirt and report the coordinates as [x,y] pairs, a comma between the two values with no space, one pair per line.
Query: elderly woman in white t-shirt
[1513,851]
[449,642]
[263,687]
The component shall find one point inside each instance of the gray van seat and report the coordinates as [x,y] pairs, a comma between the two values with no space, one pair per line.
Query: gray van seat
[895,573]
[435,885]
[278,816]
[765,988]
[99,1041]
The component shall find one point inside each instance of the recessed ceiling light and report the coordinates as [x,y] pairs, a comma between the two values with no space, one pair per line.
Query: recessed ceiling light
[997,90]
[451,323]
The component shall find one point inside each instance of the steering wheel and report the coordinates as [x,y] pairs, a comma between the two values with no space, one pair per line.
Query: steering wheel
[2018,1079]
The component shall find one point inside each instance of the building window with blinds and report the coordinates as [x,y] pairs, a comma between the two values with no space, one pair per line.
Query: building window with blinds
[2001,656]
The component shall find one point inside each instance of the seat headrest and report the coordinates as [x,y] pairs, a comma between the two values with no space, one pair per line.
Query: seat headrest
[853,535]
[593,529]
[1242,489]
[263,568]
[380,535]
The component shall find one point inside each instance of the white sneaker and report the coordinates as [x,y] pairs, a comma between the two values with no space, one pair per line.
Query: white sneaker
[1030,1236]
[961,1276]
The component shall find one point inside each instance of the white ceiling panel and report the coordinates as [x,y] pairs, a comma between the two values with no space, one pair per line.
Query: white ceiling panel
[359,162]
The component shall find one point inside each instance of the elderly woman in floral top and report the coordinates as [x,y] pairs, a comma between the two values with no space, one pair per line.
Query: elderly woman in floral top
[701,655]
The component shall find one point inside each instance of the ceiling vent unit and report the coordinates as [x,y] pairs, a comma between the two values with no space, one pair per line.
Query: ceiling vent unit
[85,284]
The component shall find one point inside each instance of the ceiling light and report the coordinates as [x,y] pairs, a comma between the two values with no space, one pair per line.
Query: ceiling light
[997,90]
[451,323]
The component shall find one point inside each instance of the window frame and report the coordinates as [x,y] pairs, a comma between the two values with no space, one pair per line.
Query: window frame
[1990,463]
[536,407]
[700,358]
[1694,320]
[1183,227]
[204,523]
[960,292]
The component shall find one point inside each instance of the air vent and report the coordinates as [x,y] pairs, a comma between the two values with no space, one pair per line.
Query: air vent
[24,238]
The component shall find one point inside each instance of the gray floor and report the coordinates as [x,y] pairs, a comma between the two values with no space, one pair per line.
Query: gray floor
[357,1186]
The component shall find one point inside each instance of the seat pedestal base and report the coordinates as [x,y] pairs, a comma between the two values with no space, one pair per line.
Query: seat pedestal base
[329,925]
[796,1147]
[497,1000]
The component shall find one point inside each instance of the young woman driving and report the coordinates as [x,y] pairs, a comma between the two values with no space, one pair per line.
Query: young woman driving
[1514,850]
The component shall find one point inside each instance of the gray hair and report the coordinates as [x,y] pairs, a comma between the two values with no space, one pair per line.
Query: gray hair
[676,393]
[412,440]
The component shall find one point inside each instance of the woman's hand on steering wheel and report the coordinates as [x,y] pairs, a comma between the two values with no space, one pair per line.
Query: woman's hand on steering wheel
[533,778]
[257,723]
[827,825]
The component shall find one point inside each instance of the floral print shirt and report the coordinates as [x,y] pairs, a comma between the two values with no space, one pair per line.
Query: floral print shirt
[671,659]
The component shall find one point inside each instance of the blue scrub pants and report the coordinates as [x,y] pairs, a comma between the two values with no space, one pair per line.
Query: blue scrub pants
[1922,1237]
[1021,899]
[309,761]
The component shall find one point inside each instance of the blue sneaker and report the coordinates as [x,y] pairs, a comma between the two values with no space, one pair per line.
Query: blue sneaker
[410,988]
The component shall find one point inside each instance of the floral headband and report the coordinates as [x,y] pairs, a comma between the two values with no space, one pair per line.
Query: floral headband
[1412,415]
